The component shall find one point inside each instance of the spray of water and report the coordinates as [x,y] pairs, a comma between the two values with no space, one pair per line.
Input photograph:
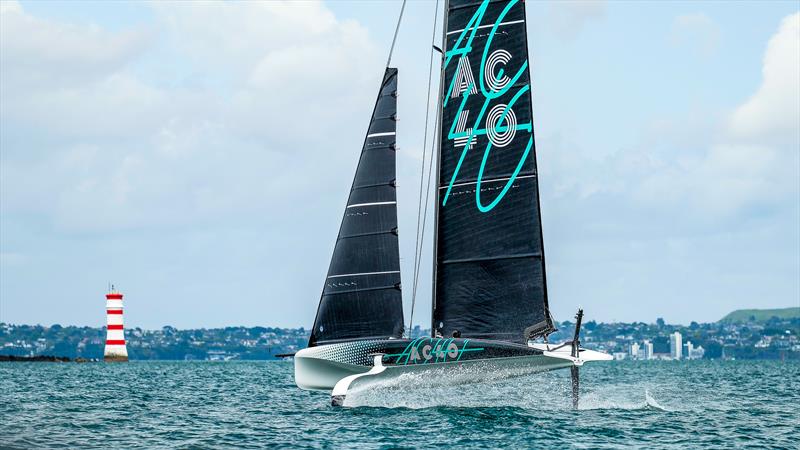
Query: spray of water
[476,388]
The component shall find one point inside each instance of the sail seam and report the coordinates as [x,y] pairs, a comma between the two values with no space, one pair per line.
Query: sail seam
[379,288]
[378,147]
[472,5]
[362,274]
[388,133]
[512,22]
[493,258]
[467,183]
[365,186]
[371,204]
[374,233]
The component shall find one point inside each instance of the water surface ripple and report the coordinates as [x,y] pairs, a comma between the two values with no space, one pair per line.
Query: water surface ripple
[693,404]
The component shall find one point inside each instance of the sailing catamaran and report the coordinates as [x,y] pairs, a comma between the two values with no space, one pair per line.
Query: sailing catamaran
[490,299]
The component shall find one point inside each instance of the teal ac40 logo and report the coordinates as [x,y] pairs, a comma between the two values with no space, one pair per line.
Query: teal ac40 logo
[427,350]
[500,123]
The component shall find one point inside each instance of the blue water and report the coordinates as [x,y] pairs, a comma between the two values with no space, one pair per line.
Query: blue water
[696,404]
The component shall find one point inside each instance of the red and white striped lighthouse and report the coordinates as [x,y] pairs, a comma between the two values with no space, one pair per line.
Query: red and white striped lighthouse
[115,334]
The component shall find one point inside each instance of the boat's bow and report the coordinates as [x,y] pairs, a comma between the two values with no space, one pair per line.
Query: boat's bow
[339,392]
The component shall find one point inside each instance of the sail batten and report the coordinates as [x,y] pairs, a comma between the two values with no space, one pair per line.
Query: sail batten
[490,180]
[489,277]
[362,297]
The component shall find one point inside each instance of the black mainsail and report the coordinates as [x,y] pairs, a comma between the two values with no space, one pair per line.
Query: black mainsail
[361,298]
[489,279]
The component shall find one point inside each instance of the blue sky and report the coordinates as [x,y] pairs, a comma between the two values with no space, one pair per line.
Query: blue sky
[199,155]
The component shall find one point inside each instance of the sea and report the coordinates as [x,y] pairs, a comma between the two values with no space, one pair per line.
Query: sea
[625,404]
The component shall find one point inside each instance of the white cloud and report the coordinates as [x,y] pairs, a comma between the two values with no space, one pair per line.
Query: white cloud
[32,50]
[221,139]
[119,151]
[749,159]
[236,36]
[773,112]
[757,160]
[697,32]
[208,152]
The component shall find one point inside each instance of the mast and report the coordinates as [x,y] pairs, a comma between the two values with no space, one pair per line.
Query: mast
[550,326]
[438,133]
[489,277]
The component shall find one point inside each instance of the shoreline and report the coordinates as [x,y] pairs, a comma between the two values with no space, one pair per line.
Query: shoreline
[43,358]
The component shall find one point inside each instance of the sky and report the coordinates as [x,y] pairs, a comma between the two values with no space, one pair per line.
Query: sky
[199,155]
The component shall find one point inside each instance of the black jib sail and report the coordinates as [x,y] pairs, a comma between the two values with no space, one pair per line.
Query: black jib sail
[361,298]
[490,278]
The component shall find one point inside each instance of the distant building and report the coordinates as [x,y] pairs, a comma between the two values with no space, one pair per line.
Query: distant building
[693,352]
[634,350]
[217,355]
[676,345]
[647,350]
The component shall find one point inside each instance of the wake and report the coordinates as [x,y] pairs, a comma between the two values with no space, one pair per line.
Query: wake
[600,400]
[470,389]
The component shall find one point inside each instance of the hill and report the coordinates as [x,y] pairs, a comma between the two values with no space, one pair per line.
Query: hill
[761,315]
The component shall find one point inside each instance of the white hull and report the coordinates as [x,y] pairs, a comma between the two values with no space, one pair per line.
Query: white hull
[318,374]
[314,370]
